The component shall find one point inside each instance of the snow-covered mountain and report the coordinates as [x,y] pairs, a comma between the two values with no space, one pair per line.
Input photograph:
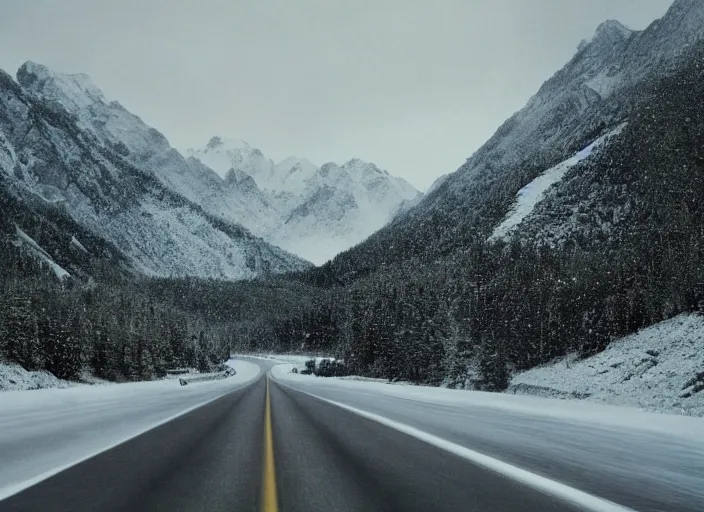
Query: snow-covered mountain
[315,212]
[65,144]
[594,93]
[222,154]
[581,101]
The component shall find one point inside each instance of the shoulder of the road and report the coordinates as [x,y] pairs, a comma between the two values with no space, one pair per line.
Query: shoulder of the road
[540,483]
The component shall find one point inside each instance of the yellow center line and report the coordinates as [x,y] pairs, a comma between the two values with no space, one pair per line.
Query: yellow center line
[269,502]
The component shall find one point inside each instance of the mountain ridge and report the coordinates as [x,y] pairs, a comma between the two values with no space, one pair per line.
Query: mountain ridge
[274,205]
[583,100]
[311,205]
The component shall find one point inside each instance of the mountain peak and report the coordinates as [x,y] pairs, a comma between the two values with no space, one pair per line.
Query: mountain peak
[222,154]
[686,13]
[214,142]
[34,68]
[72,91]
[293,161]
[357,163]
[611,30]
[224,144]
[609,34]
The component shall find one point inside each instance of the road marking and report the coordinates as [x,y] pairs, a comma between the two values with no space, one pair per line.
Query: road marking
[270,502]
[559,490]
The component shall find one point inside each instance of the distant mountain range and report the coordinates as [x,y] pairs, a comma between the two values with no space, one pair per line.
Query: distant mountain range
[224,211]
[314,212]
[69,153]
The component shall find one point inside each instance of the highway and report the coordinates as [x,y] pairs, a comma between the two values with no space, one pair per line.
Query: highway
[270,445]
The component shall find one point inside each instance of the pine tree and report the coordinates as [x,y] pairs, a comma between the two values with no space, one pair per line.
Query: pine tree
[21,340]
[100,356]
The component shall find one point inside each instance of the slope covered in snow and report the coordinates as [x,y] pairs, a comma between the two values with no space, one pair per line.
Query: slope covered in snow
[595,90]
[530,195]
[25,241]
[660,368]
[8,159]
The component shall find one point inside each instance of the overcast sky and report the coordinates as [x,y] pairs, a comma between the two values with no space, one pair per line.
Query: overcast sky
[415,86]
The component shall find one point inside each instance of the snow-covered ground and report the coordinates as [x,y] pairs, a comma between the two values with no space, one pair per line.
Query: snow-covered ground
[660,368]
[530,195]
[15,378]
[293,359]
[45,431]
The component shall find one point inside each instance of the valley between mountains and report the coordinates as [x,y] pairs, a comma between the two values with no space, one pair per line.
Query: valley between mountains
[577,226]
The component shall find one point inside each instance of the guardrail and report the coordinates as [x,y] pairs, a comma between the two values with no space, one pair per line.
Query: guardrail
[204,377]
[178,371]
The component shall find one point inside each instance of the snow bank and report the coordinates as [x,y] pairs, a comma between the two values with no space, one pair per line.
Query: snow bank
[43,432]
[660,368]
[15,378]
[530,195]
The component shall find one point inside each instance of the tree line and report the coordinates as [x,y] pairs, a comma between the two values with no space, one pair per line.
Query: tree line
[120,328]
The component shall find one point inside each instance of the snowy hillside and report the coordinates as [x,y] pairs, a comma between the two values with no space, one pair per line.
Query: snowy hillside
[574,101]
[65,143]
[659,368]
[313,212]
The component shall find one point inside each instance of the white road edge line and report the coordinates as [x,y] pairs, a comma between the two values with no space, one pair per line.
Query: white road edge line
[540,483]
[16,488]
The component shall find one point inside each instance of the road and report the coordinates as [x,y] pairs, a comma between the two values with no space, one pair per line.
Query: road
[328,458]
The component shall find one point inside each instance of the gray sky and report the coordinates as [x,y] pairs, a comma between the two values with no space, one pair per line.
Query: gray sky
[415,86]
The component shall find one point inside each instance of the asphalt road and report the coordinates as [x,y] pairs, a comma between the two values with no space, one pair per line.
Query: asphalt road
[635,464]
[324,458]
